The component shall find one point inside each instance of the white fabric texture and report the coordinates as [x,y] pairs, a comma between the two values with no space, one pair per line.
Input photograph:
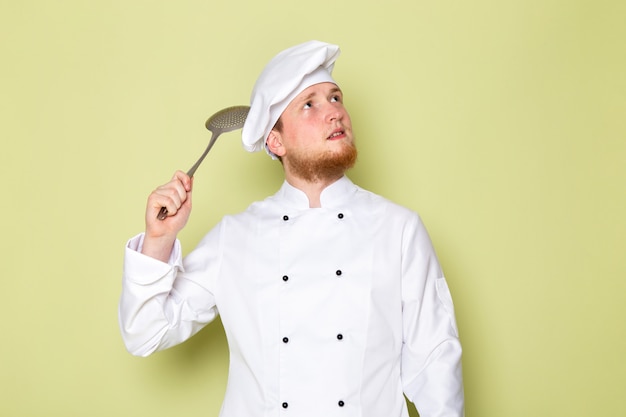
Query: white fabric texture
[331,311]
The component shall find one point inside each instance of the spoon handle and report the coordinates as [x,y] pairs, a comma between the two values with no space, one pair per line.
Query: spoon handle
[195,166]
[163,212]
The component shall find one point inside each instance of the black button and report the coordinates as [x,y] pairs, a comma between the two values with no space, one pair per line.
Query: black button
[341,403]
[338,272]
[285,278]
[285,217]
[285,405]
[339,336]
[285,339]
[340,215]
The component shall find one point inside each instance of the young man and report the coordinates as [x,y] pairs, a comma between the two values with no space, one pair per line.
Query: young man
[332,298]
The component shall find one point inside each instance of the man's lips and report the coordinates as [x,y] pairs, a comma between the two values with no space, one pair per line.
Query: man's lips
[337,134]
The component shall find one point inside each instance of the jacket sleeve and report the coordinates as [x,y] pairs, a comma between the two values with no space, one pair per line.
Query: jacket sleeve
[431,351]
[164,304]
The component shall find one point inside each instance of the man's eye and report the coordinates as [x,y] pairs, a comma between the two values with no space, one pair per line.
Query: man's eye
[336,99]
[307,105]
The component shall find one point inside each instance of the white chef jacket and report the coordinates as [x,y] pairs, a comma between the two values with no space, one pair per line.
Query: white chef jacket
[331,311]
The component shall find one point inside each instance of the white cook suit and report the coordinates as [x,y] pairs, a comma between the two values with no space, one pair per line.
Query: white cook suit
[331,311]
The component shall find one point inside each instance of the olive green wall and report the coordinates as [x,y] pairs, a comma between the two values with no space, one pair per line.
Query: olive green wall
[501,122]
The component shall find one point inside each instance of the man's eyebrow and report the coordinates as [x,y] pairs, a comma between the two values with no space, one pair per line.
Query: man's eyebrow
[307,97]
[313,94]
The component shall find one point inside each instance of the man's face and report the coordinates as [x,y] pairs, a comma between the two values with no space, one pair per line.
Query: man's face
[316,135]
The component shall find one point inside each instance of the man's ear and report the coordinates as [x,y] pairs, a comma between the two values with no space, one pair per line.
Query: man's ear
[275,143]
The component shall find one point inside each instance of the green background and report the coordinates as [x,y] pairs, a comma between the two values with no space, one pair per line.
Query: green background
[501,122]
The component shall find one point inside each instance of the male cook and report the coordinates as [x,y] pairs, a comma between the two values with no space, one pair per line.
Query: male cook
[331,297]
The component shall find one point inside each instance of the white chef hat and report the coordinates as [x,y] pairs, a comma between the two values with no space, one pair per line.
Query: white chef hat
[284,77]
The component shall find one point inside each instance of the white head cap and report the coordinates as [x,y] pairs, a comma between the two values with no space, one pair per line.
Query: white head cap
[284,77]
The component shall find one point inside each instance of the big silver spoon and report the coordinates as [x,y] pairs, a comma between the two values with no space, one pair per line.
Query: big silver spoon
[225,120]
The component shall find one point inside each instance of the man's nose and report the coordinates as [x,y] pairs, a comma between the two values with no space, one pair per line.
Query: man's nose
[334,114]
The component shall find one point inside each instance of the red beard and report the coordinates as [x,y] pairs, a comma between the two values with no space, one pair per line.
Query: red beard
[330,165]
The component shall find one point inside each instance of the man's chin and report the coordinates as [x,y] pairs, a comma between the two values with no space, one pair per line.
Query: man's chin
[329,166]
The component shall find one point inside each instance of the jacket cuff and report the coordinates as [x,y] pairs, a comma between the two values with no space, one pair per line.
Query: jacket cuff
[143,269]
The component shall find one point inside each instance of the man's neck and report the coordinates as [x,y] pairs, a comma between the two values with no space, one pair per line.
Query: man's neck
[312,189]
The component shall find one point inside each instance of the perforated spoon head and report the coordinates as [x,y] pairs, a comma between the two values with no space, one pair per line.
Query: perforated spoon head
[228,119]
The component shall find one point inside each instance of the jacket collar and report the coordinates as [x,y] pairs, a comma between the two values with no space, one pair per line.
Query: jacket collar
[336,194]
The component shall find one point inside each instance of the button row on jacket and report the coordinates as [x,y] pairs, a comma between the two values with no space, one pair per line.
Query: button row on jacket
[338,272]
[339,337]
[286,218]
[340,404]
